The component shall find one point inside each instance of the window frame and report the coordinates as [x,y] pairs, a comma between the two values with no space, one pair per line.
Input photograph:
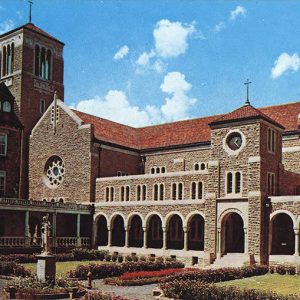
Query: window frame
[233,186]
[3,175]
[271,140]
[5,144]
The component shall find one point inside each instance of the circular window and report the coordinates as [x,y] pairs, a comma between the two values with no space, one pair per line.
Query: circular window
[54,171]
[234,141]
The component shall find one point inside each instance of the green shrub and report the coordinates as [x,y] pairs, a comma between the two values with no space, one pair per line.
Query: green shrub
[291,270]
[281,270]
[128,258]
[107,257]
[13,269]
[120,258]
[114,257]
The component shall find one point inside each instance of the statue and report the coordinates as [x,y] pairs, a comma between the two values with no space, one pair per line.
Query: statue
[46,226]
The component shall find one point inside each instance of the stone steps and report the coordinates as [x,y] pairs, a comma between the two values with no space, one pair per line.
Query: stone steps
[233,260]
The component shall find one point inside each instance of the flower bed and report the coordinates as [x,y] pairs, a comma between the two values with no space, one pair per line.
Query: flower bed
[116,269]
[13,269]
[197,290]
[147,274]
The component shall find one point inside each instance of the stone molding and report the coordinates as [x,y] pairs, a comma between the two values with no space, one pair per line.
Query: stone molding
[254,159]
[291,149]
[254,194]
[213,163]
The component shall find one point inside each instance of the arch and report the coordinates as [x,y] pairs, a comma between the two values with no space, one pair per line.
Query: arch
[283,211]
[169,216]
[175,235]
[149,215]
[131,215]
[154,228]
[102,230]
[195,231]
[190,215]
[97,215]
[232,210]
[282,236]
[117,230]
[232,233]
[111,218]
[135,231]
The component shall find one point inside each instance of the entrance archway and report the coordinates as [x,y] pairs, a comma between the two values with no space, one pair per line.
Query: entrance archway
[196,233]
[154,232]
[175,233]
[283,237]
[118,232]
[233,237]
[102,231]
[136,232]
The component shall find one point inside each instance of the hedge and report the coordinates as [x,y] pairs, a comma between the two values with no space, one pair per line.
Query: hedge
[197,290]
[13,269]
[105,270]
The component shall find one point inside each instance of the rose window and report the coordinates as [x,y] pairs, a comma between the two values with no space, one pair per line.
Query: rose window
[55,171]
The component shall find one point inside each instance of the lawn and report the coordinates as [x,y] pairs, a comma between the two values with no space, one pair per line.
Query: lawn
[281,284]
[62,267]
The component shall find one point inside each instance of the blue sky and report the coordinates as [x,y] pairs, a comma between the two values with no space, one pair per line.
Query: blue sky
[148,62]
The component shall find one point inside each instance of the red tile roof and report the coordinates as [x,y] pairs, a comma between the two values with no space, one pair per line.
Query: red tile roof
[185,132]
[244,112]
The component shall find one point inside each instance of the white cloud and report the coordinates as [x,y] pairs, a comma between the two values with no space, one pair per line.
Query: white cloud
[238,11]
[7,25]
[179,105]
[171,38]
[144,63]
[144,58]
[116,107]
[284,63]
[219,27]
[121,53]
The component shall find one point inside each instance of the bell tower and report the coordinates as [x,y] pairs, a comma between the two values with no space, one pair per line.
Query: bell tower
[31,66]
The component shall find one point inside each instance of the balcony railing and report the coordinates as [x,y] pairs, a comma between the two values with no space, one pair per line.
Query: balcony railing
[68,242]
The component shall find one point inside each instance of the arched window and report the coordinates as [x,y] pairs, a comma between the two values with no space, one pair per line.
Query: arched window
[12,57]
[112,193]
[229,183]
[161,192]
[43,63]
[8,60]
[144,192]
[37,60]
[4,57]
[48,65]
[174,191]
[152,170]
[6,106]
[122,193]
[163,170]
[200,190]
[157,170]
[237,182]
[155,193]
[107,194]
[196,167]
[180,191]
[193,193]
[127,193]
[138,193]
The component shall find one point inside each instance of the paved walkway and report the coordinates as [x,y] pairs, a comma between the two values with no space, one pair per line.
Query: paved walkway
[131,292]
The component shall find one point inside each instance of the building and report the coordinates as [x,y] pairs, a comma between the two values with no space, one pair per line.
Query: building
[209,190]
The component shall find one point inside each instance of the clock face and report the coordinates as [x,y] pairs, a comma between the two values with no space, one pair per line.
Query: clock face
[234,141]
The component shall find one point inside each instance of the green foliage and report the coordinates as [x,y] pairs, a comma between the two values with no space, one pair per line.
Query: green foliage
[13,269]
[87,254]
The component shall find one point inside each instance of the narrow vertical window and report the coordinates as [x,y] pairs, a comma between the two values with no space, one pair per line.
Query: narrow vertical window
[112,193]
[43,63]
[196,167]
[152,170]
[4,61]
[122,193]
[237,182]
[48,65]
[8,60]
[271,140]
[155,194]
[127,193]
[193,193]
[144,192]
[180,191]
[157,170]
[229,183]
[161,192]
[200,190]
[163,170]
[3,144]
[174,191]
[138,193]
[37,61]
[107,194]
[2,183]
[271,184]
[42,106]
[12,63]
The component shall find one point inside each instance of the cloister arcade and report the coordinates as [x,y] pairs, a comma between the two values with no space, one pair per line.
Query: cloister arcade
[172,232]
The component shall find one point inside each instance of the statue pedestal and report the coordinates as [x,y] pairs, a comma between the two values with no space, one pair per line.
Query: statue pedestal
[46,267]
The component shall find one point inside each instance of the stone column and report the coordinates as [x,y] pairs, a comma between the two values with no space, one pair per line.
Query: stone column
[246,240]
[219,243]
[109,233]
[78,231]
[296,242]
[145,237]
[94,234]
[54,230]
[126,237]
[185,239]
[165,234]
[27,237]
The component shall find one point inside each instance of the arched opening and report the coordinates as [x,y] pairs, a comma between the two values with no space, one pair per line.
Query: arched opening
[35,229]
[136,232]
[154,232]
[118,232]
[233,237]
[102,231]
[175,233]
[4,61]
[196,233]
[283,237]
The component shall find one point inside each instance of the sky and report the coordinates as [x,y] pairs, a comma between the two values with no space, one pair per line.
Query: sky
[150,62]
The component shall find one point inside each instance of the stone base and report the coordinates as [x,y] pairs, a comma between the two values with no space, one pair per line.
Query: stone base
[46,267]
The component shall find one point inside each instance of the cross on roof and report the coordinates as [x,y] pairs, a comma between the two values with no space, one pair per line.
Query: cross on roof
[247,91]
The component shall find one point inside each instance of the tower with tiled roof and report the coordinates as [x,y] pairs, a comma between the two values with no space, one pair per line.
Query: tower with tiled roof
[31,66]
